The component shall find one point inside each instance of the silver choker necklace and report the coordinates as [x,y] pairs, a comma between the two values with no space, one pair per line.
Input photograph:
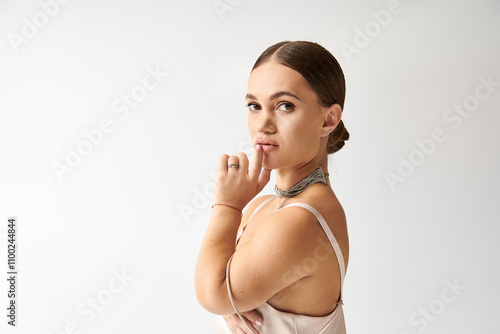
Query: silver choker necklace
[315,177]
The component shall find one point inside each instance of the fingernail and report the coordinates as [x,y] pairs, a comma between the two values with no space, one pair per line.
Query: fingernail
[258,322]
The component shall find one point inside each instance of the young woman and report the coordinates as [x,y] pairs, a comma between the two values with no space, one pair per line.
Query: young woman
[284,274]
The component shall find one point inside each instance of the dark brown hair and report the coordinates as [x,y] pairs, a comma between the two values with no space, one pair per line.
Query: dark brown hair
[322,73]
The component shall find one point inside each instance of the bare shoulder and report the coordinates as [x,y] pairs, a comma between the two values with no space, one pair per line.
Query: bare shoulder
[292,230]
[280,242]
[327,204]
[290,234]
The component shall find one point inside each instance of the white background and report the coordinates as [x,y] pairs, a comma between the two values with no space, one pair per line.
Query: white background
[139,202]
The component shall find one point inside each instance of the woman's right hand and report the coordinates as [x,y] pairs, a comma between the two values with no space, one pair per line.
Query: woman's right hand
[236,326]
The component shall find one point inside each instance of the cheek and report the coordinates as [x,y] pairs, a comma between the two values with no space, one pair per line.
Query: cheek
[299,130]
[250,124]
[304,136]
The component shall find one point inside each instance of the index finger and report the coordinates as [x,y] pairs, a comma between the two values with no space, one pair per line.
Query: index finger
[256,164]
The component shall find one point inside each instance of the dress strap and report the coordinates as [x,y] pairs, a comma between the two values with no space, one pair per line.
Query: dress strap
[331,238]
[260,206]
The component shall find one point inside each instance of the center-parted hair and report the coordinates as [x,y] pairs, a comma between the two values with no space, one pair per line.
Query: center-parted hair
[322,73]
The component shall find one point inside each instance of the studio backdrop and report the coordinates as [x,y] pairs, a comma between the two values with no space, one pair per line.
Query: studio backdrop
[113,115]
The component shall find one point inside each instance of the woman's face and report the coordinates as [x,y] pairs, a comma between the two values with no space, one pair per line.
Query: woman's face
[284,110]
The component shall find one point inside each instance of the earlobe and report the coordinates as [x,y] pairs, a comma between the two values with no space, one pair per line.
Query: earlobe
[331,120]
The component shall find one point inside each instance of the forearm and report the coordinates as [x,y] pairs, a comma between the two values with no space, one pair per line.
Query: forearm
[217,247]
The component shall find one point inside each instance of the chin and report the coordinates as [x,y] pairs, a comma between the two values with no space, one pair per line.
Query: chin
[270,163]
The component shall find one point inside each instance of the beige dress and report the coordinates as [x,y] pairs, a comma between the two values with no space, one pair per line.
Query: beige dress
[278,322]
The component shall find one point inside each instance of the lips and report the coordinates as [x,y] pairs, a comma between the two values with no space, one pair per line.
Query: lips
[265,142]
[267,148]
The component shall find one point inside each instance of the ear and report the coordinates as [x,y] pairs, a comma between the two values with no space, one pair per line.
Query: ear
[331,119]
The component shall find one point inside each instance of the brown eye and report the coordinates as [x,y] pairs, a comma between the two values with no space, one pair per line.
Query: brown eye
[253,106]
[285,106]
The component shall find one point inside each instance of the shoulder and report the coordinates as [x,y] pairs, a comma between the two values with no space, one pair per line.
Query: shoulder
[292,229]
[284,239]
[324,200]
[278,253]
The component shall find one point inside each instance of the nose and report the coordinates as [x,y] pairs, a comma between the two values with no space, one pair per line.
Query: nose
[266,122]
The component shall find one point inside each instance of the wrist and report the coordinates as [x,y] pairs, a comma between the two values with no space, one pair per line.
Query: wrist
[230,207]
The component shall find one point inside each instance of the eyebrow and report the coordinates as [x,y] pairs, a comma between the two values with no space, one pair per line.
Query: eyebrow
[274,96]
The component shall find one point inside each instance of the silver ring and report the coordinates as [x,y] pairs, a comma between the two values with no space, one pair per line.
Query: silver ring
[233,166]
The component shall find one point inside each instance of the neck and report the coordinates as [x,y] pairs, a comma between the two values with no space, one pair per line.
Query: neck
[287,177]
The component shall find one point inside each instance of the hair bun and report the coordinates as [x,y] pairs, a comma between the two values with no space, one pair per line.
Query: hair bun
[337,138]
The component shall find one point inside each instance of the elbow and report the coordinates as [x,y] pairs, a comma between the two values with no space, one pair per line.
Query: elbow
[209,293]
[202,299]
[212,301]
[216,300]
